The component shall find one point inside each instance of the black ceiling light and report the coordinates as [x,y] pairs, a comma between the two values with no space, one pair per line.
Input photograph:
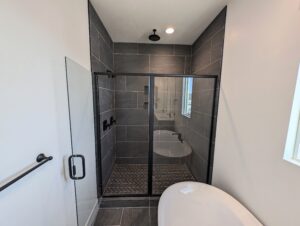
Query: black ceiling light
[154,37]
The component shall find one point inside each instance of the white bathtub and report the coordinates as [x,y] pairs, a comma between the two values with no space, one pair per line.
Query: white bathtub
[166,144]
[198,204]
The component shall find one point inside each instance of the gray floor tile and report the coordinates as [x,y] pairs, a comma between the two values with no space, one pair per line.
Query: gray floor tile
[109,217]
[153,216]
[135,217]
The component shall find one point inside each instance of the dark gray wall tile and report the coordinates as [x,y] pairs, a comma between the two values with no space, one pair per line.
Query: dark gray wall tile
[127,48]
[106,55]
[132,117]
[94,39]
[185,50]
[137,83]
[106,99]
[143,100]
[132,149]
[120,83]
[198,167]
[121,133]
[217,46]
[137,133]
[188,65]
[167,64]
[156,49]
[201,58]
[125,99]
[106,82]
[97,66]
[201,123]
[107,143]
[106,116]
[107,166]
[131,63]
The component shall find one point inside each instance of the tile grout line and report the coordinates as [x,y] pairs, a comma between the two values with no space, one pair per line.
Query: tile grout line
[121,216]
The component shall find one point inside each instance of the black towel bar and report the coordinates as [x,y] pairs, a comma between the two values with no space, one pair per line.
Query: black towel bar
[40,159]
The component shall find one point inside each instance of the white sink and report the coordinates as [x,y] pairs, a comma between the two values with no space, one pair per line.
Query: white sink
[198,204]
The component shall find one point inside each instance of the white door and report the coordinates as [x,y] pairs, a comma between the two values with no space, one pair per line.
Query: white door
[82,163]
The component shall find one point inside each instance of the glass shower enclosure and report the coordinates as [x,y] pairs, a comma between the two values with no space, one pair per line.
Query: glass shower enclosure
[153,130]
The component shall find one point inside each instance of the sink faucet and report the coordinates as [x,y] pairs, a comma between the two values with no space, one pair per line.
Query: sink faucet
[179,136]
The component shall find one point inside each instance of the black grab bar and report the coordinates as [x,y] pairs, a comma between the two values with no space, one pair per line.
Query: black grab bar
[40,159]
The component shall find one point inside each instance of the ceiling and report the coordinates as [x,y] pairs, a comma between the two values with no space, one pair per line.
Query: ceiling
[133,20]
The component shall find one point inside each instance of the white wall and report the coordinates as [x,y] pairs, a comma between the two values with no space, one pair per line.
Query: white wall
[35,37]
[261,60]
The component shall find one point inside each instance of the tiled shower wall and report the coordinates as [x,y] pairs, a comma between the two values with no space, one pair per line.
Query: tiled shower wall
[131,102]
[126,142]
[207,53]
[101,46]
[130,95]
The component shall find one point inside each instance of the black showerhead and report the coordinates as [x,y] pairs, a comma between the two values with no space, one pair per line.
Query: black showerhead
[154,37]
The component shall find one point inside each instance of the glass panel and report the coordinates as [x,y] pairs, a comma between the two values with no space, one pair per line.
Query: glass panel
[125,166]
[83,137]
[187,91]
[181,144]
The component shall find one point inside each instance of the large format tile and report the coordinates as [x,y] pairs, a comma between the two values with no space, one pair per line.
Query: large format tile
[156,49]
[105,116]
[137,83]
[94,39]
[107,166]
[198,142]
[132,149]
[109,216]
[125,99]
[153,216]
[167,64]
[121,134]
[137,133]
[108,142]
[185,50]
[106,54]
[217,46]
[201,123]
[127,48]
[131,63]
[135,217]
[201,58]
[106,99]
[120,83]
[132,117]
[96,65]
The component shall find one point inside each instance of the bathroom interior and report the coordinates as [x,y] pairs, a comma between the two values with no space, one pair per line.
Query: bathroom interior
[150,113]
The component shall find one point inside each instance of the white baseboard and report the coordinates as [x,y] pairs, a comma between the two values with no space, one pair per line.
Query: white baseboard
[91,220]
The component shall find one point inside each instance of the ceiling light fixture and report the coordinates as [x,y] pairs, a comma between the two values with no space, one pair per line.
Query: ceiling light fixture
[170,30]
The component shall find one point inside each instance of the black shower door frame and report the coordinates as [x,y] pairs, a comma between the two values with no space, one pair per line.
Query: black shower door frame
[152,77]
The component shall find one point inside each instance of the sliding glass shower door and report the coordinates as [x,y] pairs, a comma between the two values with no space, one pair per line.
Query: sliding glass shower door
[163,132]
[183,114]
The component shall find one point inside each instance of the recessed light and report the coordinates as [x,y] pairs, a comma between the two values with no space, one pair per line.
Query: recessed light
[170,30]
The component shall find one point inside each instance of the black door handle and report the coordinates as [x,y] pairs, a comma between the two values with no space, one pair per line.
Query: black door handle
[72,167]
